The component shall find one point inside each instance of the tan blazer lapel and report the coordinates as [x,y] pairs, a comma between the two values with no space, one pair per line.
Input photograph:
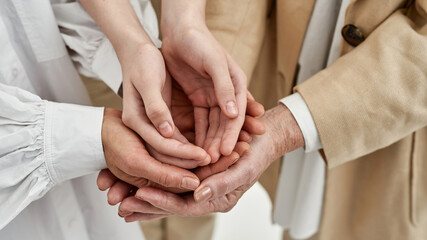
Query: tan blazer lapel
[292,22]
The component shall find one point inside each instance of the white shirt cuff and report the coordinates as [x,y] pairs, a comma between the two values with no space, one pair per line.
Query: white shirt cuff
[302,115]
[73,144]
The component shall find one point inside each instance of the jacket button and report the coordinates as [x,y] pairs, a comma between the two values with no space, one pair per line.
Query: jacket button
[352,35]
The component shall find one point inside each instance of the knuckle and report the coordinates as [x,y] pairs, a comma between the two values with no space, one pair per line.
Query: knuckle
[227,209]
[227,91]
[129,163]
[142,182]
[124,206]
[127,118]
[231,200]
[164,180]
[164,201]
[223,186]
[155,112]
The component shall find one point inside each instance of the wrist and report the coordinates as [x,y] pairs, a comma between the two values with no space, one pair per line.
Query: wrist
[177,16]
[282,130]
[110,115]
[131,43]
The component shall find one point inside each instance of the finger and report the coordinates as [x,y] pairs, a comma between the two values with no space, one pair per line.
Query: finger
[189,163]
[254,109]
[201,122]
[242,148]
[254,126]
[138,121]
[105,179]
[220,184]
[221,165]
[171,147]
[133,205]
[250,96]
[214,115]
[152,102]
[179,162]
[158,112]
[185,205]
[144,217]
[224,162]
[218,70]
[190,136]
[214,148]
[118,192]
[234,126]
[176,204]
[231,135]
[245,136]
[214,127]
[163,174]
[157,99]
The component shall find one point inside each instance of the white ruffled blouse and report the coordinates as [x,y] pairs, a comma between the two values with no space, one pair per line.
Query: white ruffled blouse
[51,149]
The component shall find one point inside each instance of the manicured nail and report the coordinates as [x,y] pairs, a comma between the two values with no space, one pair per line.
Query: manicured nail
[203,195]
[190,183]
[231,108]
[165,129]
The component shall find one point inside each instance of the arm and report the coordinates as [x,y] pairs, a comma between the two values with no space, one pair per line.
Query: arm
[91,50]
[376,94]
[205,71]
[45,143]
[146,87]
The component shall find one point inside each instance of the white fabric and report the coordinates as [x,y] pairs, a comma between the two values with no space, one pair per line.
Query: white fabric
[302,115]
[299,198]
[48,149]
[93,53]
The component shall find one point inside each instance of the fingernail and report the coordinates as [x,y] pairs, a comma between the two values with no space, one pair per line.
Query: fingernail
[190,183]
[231,108]
[234,161]
[165,129]
[203,195]
[124,214]
[206,161]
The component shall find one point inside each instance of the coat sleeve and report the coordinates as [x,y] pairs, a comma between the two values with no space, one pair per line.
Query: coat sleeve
[377,93]
[43,144]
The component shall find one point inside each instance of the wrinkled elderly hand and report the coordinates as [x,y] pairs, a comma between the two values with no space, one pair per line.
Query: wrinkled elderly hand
[220,192]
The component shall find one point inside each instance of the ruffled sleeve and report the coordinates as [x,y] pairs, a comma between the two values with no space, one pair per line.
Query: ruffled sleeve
[91,51]
[43,144]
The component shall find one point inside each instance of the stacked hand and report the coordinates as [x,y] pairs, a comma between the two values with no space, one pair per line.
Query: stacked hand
[222,183]
[122,176]
[178,133]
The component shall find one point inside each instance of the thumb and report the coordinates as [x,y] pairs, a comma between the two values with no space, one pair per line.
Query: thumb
[220,184]
[158,113]
[224,88]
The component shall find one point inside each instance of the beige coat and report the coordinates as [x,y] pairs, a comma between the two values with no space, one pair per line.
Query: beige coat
[370,107]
